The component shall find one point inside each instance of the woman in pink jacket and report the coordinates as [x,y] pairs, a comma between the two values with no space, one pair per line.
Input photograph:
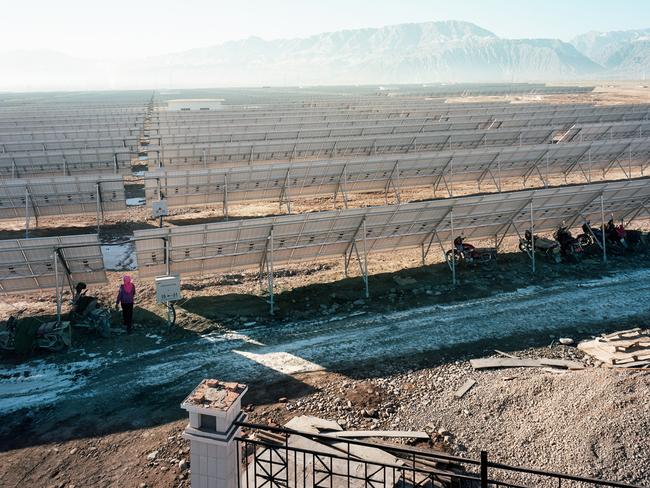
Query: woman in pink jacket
[125,298]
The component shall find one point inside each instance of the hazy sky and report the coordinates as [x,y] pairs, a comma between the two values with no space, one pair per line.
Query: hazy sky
[119,28]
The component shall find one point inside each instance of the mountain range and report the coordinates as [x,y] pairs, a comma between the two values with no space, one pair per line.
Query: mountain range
[449,51]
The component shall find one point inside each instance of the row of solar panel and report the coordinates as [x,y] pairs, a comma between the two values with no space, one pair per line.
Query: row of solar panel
[89,194]
[534,165]
[516,119]
[245,244]
[29,264]
[527,126]
[227,153]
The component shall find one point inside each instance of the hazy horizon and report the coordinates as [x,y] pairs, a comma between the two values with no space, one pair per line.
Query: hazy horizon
[72,45]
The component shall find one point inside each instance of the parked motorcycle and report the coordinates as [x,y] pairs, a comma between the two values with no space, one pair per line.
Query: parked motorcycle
[28,334]
[548,248]
[615,237]
[467,253]
[570,248]
[86,312]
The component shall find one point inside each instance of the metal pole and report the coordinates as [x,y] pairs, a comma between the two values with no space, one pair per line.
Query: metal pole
[26,213]
[98,202]
[225,196]
[453,249]
[56,286]
[602,219]
[167,256]
[269,273]
[365,260]
[532,235]
[484,469]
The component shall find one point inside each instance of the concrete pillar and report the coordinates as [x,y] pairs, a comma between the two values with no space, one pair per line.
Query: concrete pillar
[213,408]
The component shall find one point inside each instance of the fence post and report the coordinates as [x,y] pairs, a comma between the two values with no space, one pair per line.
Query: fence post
[484,469]
[213,408]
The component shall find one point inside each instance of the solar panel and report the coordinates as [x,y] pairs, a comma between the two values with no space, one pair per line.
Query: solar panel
[243,244]
[528,165]
[64,163]
[265,150]
[61,195]
[28,264]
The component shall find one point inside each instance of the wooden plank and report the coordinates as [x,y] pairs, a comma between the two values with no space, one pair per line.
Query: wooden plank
[491,363]
[620,333]
[311,425]
[505,354]
[562,363]
[379,433]
[465,388]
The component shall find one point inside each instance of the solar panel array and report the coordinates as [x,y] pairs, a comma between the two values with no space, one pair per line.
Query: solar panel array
[245,244]
[485,167]
[354,146]
[61,196]
[28,264]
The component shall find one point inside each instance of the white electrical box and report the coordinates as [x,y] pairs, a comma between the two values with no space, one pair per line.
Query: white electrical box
[168,289]
[159,209]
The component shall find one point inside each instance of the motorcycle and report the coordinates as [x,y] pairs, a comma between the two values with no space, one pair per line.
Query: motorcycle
[467,253]
[544,246]
[87,313]
[615,237]
[570,247]
[26,335]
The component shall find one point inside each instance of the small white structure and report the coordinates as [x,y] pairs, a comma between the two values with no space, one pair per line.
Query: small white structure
[194,104]
[214,406]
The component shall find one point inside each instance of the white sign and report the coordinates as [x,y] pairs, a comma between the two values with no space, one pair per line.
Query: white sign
[168,289]
[159,209]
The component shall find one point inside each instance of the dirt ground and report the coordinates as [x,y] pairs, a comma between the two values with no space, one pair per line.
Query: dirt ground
[62,436]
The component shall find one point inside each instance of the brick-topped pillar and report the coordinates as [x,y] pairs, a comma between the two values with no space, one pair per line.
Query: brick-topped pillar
[213,407]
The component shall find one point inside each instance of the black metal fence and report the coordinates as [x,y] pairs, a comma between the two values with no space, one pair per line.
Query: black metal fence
[283,458]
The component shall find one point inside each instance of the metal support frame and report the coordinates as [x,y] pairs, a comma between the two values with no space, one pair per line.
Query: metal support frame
[225,196]
[396,187]
[284,194]
[431,235]
[267,262]
[29,203]
[342,186]
[503,230]
[363,263]
[100,206]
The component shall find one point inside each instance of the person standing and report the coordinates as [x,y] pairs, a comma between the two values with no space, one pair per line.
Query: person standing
[125,298]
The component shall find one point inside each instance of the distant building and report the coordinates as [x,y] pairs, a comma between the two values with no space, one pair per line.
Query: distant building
[194,104]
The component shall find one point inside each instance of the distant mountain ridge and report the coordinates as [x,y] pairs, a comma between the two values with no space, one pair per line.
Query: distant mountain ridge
[424,52]
[449,51]
[626,53]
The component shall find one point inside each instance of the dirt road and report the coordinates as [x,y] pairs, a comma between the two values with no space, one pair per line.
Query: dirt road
[139,384]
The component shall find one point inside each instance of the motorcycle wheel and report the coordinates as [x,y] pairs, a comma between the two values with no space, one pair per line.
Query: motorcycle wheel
[453,256]
[59,344]
[524,247]
[585,240]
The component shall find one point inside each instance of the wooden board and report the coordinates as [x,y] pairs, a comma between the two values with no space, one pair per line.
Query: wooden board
[351,434]
[465,388]
[493,363]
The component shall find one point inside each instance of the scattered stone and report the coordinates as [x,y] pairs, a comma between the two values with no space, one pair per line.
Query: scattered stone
[566,341]
[183,464]
[152,455]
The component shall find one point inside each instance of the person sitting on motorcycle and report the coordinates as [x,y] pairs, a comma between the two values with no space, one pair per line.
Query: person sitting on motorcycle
[125,298]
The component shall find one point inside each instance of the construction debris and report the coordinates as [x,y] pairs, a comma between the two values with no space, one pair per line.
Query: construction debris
[623,349]
[492,363]
[312,425]
[359,434]
[465,388]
